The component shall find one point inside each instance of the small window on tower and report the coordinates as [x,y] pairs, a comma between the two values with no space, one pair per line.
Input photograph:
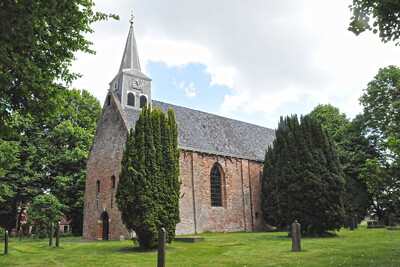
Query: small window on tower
[131,99]
[113,181]
[143,101]
[108,100]
[98,186]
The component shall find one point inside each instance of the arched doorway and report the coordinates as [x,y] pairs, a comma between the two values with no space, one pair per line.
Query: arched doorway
[105,227]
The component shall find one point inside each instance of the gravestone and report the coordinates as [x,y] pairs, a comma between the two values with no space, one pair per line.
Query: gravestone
[391,220]
[355,222]
[352,223]
[296,236]
[6,242]
[161,247]
[51,235]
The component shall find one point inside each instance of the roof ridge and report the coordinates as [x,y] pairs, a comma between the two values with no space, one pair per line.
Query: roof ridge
[214,115]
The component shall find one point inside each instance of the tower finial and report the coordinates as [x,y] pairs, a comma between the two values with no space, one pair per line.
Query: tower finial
[132,16]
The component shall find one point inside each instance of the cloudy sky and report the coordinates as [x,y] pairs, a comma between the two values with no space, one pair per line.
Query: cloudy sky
[248,60]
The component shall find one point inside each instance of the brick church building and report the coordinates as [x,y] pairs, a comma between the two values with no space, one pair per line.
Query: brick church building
[221,161]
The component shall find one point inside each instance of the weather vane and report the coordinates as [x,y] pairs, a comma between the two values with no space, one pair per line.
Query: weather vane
[132,16]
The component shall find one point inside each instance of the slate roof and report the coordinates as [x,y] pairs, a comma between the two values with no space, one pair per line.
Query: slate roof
[209,133]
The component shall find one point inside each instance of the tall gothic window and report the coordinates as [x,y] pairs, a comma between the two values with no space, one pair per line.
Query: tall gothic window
[216,190]
[131,99]
[98,186]
[143,101]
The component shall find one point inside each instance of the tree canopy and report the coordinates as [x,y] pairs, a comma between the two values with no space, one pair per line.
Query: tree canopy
[381,101]
[45,210]
[149,186]
[302,178]
[52,155]
[378,16]
[38,40]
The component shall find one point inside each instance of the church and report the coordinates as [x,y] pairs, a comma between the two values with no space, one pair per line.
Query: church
[221,161]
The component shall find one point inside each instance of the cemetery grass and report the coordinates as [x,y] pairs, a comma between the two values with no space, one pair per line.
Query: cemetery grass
[361,247]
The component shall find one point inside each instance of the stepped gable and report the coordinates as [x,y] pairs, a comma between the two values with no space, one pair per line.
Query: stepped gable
[209,133]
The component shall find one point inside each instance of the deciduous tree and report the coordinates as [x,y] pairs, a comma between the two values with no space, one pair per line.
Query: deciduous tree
[379,16]
[381,101]
[38,40]
[44,210]
[52,156]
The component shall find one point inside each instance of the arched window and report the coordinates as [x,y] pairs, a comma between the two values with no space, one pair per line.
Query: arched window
[109,100]
[143,101]
[113,181]
[216,190]
[98,186]
[131,99]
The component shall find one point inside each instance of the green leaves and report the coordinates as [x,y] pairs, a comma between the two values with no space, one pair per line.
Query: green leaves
[149,185]
[38,40]
[45,210]
[52,155]
[381,101]
[383,13]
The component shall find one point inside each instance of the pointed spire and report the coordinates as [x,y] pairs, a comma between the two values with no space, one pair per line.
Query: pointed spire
[130,59]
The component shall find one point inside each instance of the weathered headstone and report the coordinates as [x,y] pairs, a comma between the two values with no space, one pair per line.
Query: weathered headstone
[20,234]
[346,222]
[391,220]
[355,222]
[296,236]
[352,223]
[51,235]
[6,242]
[161,247]
[58,235]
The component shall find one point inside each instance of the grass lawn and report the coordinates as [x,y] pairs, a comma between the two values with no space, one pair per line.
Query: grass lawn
[361,247]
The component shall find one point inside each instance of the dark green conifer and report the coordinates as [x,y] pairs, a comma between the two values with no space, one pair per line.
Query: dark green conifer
[149,185]
[302,178]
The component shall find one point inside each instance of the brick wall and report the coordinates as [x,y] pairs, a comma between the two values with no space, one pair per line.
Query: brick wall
[241,188]
[104,161]
[237,213]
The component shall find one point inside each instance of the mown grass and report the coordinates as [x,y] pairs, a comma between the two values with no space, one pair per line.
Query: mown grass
[362,247]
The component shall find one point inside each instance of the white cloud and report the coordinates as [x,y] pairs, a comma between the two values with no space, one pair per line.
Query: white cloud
[222,75]
[190,91]
[173,53]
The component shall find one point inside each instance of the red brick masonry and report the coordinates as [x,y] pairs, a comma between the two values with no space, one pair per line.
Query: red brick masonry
[241,209]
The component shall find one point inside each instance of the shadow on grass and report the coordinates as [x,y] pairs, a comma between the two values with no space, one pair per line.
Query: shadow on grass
[136,249]
[232,245]
[301,251]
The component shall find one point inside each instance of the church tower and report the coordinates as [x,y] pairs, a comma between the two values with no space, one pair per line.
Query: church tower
[130,84]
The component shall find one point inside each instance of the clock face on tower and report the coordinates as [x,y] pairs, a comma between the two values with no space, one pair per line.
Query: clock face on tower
[137,84]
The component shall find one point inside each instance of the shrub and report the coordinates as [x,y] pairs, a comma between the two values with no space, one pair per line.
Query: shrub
[149,185]
[45,210]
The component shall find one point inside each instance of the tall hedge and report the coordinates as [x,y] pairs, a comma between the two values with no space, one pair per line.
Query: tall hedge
[302,178]
[149,186]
